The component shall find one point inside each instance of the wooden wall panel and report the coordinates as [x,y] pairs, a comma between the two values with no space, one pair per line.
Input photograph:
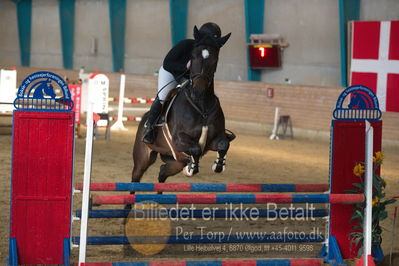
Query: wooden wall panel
[310,107]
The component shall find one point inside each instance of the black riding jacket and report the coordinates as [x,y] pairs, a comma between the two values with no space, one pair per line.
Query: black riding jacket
[177,58]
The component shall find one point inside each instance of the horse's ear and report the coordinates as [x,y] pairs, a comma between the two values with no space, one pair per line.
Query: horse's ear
[221,41]
[197,34]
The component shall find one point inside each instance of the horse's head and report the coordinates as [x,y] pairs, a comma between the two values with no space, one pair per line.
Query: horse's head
[204,59]
[49,89]
[360,100]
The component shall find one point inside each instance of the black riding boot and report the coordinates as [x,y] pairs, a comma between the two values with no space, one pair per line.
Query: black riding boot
[155,111]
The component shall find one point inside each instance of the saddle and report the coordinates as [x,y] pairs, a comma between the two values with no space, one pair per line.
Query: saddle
[166,106]
[163,125]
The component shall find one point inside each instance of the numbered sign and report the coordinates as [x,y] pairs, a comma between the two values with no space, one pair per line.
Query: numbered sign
[8,89]
[99,92]
[264,56]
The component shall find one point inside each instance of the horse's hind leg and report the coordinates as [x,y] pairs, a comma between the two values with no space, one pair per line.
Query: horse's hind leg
[222,146]
[143,158]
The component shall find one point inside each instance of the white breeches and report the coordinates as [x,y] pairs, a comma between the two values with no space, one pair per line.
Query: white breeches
[165,77]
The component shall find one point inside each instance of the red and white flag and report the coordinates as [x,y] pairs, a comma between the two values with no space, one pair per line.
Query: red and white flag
[375,60]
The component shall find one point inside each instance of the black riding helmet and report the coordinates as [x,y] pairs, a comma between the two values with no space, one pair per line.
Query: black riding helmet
[211,29]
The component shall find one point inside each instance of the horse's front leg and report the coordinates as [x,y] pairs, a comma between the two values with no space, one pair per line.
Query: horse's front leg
[189,145]
[221,146]
[195,153]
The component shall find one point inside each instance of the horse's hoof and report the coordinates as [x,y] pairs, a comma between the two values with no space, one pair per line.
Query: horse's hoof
[218,168]
[190,171]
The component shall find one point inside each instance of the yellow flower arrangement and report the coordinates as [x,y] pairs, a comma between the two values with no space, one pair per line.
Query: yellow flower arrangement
[379,202]
[378,158]
[358,170]
[376,200]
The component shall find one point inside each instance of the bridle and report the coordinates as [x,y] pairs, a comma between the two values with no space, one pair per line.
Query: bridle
[196,76]
[193,78]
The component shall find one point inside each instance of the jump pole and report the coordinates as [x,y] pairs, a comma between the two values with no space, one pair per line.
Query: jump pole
[274,132]
[86,184]
[204,187]
[368,215]
[118,125]
[229,198]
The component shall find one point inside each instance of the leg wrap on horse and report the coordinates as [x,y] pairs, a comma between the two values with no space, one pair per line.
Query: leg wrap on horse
[220,163]
[193,166]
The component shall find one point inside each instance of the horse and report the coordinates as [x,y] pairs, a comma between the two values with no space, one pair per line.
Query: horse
[360,100]
[195,121]
[41,88]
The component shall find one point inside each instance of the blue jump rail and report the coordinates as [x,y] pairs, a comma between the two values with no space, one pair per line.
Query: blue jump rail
[178,213]
[249,262]
[205,187]
[202,239]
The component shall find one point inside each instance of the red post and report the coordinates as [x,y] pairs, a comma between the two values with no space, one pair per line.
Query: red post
[348,149]
[42,165]
[42,171]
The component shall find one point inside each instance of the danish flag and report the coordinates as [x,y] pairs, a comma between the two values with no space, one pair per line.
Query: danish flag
[375,60]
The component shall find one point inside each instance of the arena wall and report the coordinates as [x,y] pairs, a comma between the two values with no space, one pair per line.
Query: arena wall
[311,27]
[9,46]
[247,106]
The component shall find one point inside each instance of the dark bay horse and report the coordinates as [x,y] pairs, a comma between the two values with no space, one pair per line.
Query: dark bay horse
[195,120]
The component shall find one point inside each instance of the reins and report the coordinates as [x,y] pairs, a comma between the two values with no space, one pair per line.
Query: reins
[204,114]
[199,75]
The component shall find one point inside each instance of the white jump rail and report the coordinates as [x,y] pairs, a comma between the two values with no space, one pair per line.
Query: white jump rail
[118,125]
[274,131]
[86,184]
[119,122]
[368,183]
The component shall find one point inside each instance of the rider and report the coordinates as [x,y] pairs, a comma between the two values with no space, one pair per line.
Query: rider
[174,71]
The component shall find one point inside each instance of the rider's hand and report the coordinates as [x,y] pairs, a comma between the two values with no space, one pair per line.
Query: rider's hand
[183,82]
